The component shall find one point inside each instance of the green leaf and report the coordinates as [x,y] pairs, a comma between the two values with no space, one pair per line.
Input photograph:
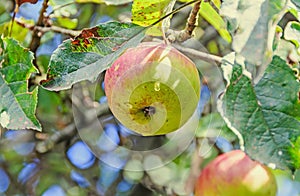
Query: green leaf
[90,53]
[210,14]
[265,117]
[17,104]
[146,12]
[18,32]
[292,33]
[253,25]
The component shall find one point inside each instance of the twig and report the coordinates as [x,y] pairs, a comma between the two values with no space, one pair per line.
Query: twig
[57,29]
[186,34]
[190,26]
[36,36]
[201,55]
[69,131]
[71,33]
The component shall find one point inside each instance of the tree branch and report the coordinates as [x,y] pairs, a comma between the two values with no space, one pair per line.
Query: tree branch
[191,24]
[36,36]
[198,54]
[186,34]
[56,29]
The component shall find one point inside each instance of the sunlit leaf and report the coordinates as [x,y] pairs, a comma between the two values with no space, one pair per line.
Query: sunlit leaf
[253,25]
[17,32]
[17,104]
[265,117]
[67,22]
[146,12]
[89,54]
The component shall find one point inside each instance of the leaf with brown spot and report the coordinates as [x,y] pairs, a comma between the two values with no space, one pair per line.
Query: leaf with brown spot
[147,12]
[90,53]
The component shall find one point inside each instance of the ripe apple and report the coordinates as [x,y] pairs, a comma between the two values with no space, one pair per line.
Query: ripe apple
[235,174]
[152,89]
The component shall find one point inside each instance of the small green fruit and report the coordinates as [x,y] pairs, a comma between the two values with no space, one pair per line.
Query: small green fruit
[234,173]
[152,89]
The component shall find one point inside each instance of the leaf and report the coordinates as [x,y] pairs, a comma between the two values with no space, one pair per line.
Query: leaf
[253,25]
[17,32]
[67,22]
[147,12]
[210,14]
[89,54]
[292,33]
[265,117]
[17,104]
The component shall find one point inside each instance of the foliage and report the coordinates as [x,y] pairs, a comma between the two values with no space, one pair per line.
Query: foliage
[18,104]
[54,54]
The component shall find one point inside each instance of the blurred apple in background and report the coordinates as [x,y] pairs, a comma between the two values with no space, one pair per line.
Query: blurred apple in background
[235,174]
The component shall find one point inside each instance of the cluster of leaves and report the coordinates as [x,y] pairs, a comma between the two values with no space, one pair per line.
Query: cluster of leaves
[260,102]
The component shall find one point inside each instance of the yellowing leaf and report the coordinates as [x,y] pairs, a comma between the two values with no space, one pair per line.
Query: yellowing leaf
[147,12]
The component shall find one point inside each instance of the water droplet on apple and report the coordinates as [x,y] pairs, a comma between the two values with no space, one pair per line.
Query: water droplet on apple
[157,86]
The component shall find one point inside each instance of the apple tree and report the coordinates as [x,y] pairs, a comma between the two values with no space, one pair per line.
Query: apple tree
[122,97]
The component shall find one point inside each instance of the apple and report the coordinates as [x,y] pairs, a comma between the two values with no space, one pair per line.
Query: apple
[152,89]
[235,174]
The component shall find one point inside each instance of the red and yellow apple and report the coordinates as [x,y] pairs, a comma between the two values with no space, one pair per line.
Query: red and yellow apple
[152,89]
[235,174]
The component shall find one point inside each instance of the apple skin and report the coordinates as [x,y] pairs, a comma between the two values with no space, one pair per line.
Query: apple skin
[152,89]
[235,174]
